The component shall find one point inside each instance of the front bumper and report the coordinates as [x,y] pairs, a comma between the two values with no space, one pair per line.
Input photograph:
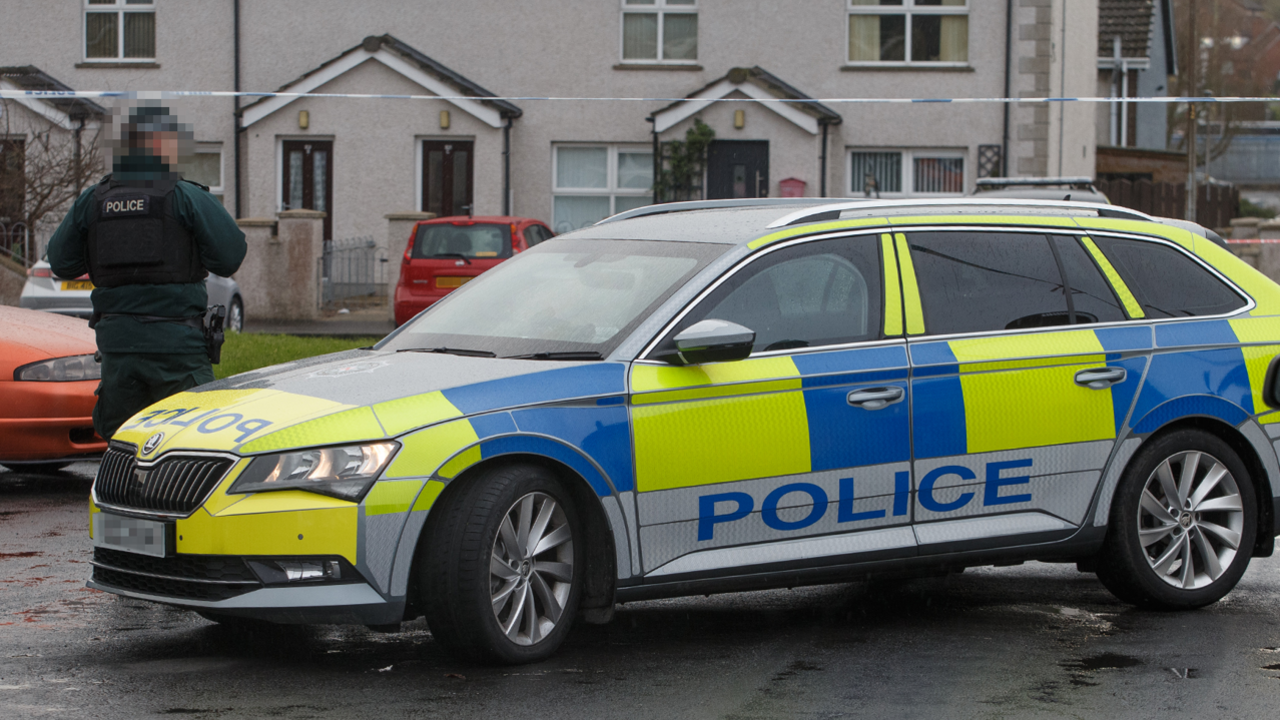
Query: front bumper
[47,420]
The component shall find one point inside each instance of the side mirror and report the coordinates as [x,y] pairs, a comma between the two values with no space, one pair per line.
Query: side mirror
[713,340]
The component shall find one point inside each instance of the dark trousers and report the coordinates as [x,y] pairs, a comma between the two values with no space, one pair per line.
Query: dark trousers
[132,381]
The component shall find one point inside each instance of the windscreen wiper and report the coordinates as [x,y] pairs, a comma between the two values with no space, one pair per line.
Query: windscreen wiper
[566,355]
[452,351]
[460,256]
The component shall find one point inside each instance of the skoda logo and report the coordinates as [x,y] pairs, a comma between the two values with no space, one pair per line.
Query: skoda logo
[152,443]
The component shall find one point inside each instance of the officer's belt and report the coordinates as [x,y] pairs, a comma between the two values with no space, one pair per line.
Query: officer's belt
[196,322]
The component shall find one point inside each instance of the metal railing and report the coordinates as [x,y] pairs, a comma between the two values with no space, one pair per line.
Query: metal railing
[352,272]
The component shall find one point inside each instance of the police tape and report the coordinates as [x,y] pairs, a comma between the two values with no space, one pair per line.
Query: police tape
[178,94]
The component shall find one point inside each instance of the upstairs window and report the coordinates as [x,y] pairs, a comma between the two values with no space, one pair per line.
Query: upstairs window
[908,32]
[659,31]
[119,30]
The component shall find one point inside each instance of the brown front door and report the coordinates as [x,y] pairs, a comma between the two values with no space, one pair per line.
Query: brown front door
[307,180]
[446,176]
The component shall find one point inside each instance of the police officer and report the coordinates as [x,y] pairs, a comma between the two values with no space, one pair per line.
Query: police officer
[148,239]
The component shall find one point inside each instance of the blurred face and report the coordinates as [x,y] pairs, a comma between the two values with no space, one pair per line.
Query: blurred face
[163,145]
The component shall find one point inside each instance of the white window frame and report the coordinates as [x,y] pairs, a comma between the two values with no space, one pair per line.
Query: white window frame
[909,156]
[660,8]
[611,189]
[909,9]
[215,148]
[118,8]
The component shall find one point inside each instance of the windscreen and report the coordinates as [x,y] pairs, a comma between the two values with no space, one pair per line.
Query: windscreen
[472,240]
[571,298]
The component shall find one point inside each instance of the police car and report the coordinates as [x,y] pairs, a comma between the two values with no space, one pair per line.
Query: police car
[699,398]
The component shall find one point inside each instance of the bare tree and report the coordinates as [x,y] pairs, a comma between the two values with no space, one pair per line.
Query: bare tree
[43,168]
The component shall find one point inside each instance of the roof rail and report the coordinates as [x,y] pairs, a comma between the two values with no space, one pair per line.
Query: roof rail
[833,211]
[673,207]
[1080,182]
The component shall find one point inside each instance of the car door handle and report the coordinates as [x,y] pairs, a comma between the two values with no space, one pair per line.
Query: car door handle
[875,398]
[1100,378]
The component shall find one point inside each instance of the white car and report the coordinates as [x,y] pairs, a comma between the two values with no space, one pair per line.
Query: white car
[45,291]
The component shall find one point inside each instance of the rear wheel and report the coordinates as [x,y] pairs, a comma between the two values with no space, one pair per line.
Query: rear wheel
[1182,524]
[502,567]
[235,315]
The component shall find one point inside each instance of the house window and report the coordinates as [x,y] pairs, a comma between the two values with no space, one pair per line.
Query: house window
[206,168]
[659,30]
[905,173]
[592,182]
[120,30]
[907,32]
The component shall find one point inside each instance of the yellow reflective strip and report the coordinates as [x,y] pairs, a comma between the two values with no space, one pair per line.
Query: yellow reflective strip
[428,496]
[715,391]
[415,411]
[219,500]
[892,288]
[1257,358]
[1064,343]
[813,229]
[462,461]
[93,510]
[1261,288]
[910,290]
[330,531]
[648,378]
[1032,363]
[979,220]
[391,496]
[423,452]
[1131,305]
[352,426]
[1185,238]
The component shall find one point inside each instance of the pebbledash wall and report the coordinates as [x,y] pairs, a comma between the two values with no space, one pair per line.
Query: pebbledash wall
[573,48]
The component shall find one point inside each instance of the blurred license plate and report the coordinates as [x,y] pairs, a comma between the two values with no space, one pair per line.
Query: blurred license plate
[135,535]
[77,285]
[451,281]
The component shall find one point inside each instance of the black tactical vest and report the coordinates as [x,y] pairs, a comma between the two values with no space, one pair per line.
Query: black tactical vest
[135,237]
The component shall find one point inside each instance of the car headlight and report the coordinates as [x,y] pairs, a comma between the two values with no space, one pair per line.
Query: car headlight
[63,369]
[344,472]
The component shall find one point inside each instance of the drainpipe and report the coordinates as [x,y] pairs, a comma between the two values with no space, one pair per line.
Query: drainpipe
[657,158]
[75,159]
[1008,84]
[235,115]
[506,167]
[823,185]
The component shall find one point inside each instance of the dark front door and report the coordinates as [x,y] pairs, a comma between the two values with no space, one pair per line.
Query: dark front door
[737,169]
[446,176]
[308,178]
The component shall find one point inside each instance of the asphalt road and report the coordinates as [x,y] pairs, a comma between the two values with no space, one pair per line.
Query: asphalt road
[1033,641]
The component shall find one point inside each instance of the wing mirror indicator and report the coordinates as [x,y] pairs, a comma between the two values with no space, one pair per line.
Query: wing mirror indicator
[712,340]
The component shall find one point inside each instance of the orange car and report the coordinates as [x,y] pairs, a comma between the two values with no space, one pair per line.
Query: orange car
[47,379]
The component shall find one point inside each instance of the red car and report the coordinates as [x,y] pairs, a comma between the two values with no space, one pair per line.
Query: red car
[444,253]
[47,380]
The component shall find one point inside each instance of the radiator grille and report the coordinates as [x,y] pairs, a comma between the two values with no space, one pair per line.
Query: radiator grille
[175,486]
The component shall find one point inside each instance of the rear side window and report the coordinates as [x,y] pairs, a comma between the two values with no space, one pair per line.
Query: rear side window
[475,240]
[1092,298]
[535,234]
[1167,283]
[978,282]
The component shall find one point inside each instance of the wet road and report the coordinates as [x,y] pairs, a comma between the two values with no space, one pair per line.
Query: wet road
[1034,641]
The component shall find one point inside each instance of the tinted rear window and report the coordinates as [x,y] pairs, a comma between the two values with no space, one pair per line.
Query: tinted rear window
[1167,283]
[481,240]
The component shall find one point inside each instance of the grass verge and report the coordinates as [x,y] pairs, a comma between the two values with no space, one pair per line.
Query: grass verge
[243,352]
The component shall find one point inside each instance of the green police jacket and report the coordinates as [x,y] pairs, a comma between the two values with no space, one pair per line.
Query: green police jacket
[221,245]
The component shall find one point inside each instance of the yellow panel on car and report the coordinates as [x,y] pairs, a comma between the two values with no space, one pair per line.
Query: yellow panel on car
[422,452]
[1257,358]
[351,425]
[331,531]
[1013,401]
[415,411]
[815,229]
[391,496]
[711,441]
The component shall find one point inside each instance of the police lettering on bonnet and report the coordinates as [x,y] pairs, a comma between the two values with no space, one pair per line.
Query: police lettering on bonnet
[148,239]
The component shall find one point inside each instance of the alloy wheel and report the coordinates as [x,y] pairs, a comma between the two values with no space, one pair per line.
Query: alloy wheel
[531,568]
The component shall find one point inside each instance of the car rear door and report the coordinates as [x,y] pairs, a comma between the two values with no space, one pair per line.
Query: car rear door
[797,456]
[1017,397]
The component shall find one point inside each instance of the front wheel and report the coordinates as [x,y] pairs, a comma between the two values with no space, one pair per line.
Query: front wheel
[235,315]
[1182,524]
[503,566]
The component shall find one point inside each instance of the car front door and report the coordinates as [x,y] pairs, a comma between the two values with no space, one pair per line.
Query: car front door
[1017,399]
[798,455]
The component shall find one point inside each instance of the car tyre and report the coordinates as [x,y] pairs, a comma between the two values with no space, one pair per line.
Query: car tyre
[502,566]
[235,315]
[1182,526]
